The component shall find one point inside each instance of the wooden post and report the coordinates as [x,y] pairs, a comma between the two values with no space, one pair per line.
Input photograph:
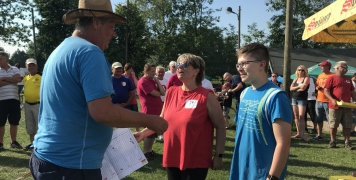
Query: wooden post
[288,46]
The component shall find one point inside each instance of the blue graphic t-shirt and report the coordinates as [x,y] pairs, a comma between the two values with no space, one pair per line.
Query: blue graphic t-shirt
[255,142]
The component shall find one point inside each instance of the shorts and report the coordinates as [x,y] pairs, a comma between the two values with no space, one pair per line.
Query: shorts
[226,111]
[321,111]
[354,116]
[31,118]
[152,136]
[299,102]
[341,115]
[132,107]
[10,110]
[45,170]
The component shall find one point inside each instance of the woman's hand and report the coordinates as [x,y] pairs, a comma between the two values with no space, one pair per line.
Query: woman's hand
[138,136]
[217,163]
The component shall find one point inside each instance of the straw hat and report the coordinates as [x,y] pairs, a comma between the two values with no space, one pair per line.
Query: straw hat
[93,8]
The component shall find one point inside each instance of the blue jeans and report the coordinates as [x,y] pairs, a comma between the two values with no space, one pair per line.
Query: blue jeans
[299,102]
[321,111]
[43,170]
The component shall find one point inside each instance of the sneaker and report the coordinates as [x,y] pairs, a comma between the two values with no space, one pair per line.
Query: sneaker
[28,148]
[1,147]
[317,138]
[15,144]
[348,146]
[150,155]
[332,144]
[21,106]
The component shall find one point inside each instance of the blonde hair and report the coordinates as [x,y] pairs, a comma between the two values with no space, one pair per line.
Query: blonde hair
[339,63]
[305,71]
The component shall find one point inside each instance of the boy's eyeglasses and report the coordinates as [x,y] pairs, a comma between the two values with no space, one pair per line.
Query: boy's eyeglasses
[244,63]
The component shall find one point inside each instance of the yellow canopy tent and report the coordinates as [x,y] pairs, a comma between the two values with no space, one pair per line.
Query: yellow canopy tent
[334,24]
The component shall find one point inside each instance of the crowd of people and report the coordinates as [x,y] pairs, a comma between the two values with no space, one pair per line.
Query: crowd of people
[318,97]
[70,112]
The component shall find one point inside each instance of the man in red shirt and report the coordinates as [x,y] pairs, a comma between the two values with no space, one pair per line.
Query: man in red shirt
[339,88]
[150,90]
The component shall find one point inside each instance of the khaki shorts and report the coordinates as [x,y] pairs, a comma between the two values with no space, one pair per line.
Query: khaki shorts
[31,118]
[341,115]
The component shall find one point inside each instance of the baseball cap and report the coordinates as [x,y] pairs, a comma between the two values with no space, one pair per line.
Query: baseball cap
[116,65]
[227,84]
[31,60]
[172,63]
[325,63]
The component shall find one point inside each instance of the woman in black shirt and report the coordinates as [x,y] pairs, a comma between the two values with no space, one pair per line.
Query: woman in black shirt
[300,87]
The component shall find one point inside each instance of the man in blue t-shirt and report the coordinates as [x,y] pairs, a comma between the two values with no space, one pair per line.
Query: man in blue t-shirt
[264,120]
[123,87]
[76,113]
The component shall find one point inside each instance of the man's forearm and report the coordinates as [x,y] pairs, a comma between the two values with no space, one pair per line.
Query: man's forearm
[131,97]
[4,83]
[280,158]
[11,79]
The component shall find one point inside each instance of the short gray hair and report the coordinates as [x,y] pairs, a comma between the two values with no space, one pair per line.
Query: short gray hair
[159,67]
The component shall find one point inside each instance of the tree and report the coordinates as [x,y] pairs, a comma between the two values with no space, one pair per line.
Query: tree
[52,31]
[12,31]
[138,50]
[19,57]
[254,35]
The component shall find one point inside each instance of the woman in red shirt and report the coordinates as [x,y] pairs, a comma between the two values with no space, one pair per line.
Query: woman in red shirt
[192,113]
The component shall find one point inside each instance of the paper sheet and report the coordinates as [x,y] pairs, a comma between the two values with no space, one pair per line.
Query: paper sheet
[123,156]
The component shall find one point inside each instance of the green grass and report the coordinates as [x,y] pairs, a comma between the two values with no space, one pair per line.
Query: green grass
[308,160]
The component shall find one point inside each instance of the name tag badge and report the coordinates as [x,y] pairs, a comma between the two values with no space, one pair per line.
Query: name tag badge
[123,83]
[191,104]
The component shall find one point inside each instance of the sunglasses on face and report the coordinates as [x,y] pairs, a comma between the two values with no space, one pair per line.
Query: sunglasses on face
[301,70]
[345,67]
[183,64]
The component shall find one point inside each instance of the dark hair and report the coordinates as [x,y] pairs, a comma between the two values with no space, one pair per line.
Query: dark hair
[17,65]
[257,51]
[274,73]
[4,54]
[148,67]
[196,62]
[127,66]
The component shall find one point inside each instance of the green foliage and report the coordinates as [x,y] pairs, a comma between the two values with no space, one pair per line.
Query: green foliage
[138,50]
[11,30]
[19,57]
[254,35]
[52,31]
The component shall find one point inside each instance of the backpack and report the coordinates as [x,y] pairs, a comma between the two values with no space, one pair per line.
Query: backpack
[263,105]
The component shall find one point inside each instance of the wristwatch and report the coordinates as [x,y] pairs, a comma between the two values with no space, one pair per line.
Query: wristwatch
[271,177]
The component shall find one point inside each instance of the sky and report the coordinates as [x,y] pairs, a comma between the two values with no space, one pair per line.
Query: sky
[251,11]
